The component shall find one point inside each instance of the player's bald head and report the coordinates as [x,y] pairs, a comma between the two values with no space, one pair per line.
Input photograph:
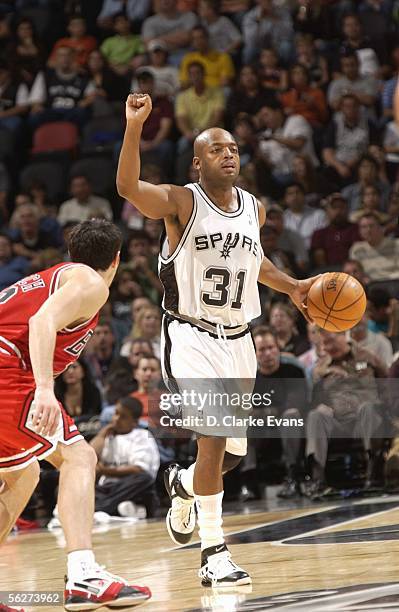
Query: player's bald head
[210,137]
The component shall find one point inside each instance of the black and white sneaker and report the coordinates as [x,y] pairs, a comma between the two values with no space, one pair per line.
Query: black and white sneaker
[218,570]
[180,520]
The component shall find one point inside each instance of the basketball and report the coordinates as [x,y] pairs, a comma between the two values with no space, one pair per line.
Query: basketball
[336,302]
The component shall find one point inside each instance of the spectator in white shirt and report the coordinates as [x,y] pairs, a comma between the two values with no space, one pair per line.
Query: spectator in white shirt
[299,217]
[375,343]
[283,139]
[83,205]
[128,462]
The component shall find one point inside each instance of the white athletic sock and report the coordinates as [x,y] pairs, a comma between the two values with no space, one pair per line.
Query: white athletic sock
[78,562]
[187,479]
[210,520]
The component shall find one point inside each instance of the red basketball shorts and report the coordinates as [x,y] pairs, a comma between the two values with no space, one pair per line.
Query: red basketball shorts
[20,445]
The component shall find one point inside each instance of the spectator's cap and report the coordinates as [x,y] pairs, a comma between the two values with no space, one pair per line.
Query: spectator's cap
[157,45]
[144,74]
[274,208]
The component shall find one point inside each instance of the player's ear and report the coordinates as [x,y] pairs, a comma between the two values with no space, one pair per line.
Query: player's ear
[196,163]
[117,260]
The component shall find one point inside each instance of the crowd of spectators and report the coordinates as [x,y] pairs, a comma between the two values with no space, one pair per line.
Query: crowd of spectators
[306,87]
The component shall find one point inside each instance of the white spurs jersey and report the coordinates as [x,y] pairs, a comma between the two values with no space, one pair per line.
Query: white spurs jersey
[212,275]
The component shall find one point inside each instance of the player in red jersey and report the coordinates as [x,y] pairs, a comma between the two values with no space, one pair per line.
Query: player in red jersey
[45,322]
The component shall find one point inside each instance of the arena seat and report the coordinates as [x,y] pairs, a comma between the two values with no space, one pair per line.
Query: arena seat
[99,170]
[52,174]
[60,136]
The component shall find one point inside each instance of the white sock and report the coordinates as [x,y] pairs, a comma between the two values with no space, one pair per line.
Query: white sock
[78,562]
[210,520]
[187,479]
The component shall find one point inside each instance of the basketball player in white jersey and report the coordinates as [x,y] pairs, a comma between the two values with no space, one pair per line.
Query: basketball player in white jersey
[210,265]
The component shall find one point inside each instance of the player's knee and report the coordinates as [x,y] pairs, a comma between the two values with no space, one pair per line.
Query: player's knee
[34,473]
[230,462]
[81,454]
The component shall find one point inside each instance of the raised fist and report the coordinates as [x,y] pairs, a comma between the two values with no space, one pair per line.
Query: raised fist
[138,107]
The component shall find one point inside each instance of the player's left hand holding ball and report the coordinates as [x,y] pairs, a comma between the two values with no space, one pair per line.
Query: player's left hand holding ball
[47,412]
[299,295]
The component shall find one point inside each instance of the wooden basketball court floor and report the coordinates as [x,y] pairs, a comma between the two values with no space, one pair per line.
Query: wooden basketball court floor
[332,556]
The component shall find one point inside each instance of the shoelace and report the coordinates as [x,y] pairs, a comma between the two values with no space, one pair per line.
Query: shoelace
[221,567]
[99,571]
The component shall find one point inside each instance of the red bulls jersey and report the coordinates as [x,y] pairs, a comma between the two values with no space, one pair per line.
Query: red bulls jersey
[21,301]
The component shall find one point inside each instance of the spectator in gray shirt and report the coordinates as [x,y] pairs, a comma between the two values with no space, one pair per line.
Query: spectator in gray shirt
[171,27]
[364,88]
[288,240]
[223,34]
[267,26]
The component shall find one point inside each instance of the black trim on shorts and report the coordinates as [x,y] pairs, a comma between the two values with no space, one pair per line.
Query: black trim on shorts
[170,380]
[169,317]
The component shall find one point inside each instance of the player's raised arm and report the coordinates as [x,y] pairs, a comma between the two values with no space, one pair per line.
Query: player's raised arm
[154,201]
[80,298]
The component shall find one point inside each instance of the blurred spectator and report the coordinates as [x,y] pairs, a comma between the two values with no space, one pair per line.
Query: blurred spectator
[271,74]
[101,351]
[347,403]
[363,88]
[146,325]
[286,382]
[391,148]
[124,50]
[12,269]
[218,66]
[128,462]
[388,91]
[304,99]
[376,19]
[105,85]
[315,18]
[267,26]
[346,140]
[5,35]
[355,268]
[138,348]
[282,139]
[155,138]
[31,87]
[248,96]
[299,217]
[83,205]
[77,392]
[315,63]
[125,288]
[11,110]
[383,312]
[171,27]
[223,34]
[144,264]
[288,240]
[4,189]
[26,45]
[139,304]
[148,376]
[330,245]
[197,108]
[245,137]
[28,237]
[313,183]
[136,10]
[379,255]
[78,40]
[370,55]
[166,76]
[310,357]
[154,228]
[47,258]
[283,260]
[283,322]
[377,344]
[370,202]
[367,175]
[67,92]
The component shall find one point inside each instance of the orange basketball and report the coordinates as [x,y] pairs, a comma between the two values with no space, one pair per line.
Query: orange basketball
[336,302]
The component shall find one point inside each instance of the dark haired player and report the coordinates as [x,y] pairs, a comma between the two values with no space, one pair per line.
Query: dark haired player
[210,263]
[46,321]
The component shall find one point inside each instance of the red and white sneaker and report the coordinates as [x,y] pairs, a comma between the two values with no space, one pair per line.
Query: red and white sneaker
[97,588]
[4,608]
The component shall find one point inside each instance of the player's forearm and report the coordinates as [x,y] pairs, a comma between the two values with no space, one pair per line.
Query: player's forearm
[42,336]
[275,279]
[127,178]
